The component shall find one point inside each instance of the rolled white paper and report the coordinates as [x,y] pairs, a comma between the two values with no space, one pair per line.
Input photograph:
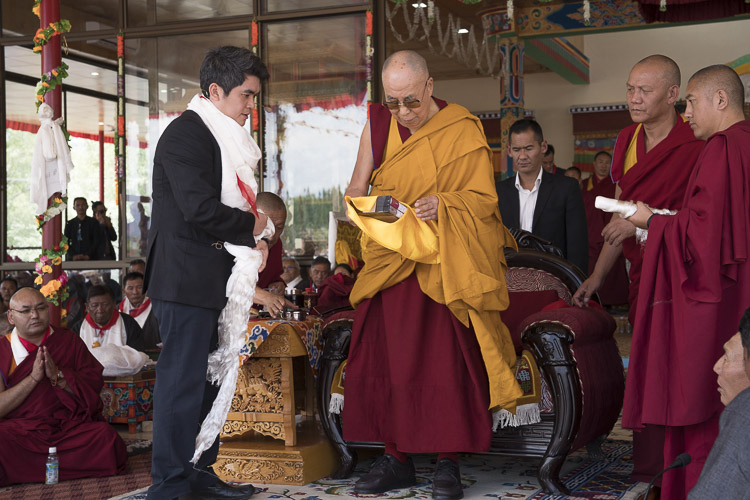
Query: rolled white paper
[624,208]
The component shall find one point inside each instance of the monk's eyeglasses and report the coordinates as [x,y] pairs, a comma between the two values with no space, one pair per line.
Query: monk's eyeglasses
[411,104]
[39,310]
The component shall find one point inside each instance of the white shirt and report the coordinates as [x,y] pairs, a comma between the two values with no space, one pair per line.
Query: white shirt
[294,282]
[527,201]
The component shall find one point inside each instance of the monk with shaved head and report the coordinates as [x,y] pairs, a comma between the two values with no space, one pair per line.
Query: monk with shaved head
[696,282]
[269,291]
[49,396]
[652,161]
[429,353]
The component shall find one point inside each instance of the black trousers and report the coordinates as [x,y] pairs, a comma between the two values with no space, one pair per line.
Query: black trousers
[182,398]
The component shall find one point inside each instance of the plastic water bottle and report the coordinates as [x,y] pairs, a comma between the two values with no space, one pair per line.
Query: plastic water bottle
[52,468]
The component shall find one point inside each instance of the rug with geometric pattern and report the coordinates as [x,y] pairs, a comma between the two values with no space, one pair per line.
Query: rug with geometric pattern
[484,476]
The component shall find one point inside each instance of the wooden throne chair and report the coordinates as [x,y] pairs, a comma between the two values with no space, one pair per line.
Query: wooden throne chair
[581,371]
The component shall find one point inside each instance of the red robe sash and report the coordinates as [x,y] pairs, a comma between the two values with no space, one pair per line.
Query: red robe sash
[102,329]
[659,179]
[134,313]
[30,347]
[694,289]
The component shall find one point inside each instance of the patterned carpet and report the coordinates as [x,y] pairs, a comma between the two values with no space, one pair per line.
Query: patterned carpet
[485,476]
[138,476]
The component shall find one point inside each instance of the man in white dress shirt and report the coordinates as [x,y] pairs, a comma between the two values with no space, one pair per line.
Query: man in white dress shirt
[545,204]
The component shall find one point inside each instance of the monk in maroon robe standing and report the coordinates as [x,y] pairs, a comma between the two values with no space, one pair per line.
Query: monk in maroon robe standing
[696,283]
[652,161]
[614,290]
[49,396]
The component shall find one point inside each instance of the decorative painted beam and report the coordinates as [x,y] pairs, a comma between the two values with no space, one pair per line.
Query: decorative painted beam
[741,65]
[560,56]
[567,19]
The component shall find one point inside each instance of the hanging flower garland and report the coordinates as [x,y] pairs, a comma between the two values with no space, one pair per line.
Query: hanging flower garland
[49,81]
[43,35]
[58,206]
[369,52]
[53,290]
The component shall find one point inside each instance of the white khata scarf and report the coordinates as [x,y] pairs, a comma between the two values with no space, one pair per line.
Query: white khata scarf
[239,160]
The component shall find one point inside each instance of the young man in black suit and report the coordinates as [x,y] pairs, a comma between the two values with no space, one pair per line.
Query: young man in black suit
[548,205]
[188,268]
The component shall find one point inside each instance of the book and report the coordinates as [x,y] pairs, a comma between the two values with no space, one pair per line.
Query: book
[386,208]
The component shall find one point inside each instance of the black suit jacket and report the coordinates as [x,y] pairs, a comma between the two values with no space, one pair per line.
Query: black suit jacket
[187,263]
[559,215]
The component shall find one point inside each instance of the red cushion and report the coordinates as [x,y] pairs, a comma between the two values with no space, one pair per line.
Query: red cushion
[523,304]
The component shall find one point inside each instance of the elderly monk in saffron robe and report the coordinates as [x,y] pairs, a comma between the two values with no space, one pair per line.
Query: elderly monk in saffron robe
[696,282]
[652,162]
[428,334]
[49,396]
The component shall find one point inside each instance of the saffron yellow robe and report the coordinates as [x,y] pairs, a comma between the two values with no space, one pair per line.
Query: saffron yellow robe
[447,157]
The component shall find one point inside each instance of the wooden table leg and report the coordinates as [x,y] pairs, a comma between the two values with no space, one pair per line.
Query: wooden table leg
[287,389]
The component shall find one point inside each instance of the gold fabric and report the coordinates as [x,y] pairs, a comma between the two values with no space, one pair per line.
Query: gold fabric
[449,158]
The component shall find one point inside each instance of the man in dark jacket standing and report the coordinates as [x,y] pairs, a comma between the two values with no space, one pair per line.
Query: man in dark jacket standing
[188,268]
[547,205]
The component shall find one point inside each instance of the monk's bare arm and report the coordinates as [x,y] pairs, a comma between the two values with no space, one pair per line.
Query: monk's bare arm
[13,397]
[618,229]
[360,182]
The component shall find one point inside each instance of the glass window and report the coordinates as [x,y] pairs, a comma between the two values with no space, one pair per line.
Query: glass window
[89,74]
[147,12]
[91,124]
[84,15]
[23,239]
[317,109]
[291,5]
[162,75]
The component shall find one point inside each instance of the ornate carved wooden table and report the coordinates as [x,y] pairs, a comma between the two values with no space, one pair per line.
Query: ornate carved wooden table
[271,434]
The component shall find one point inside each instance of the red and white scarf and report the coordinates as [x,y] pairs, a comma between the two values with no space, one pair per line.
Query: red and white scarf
[112,333]
[239,155]
[140,313]
[21,348]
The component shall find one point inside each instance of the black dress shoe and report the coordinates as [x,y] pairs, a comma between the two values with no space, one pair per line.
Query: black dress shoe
[446,485]
[221,491]
[387,473]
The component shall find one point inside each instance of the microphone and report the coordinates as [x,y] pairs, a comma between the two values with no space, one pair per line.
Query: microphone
[681,461]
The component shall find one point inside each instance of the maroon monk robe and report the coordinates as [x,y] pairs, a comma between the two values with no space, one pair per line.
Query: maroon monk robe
[334,293]
[694,288]
[87,446]
[272,272]
[614,290]
[418,379]
[658,179]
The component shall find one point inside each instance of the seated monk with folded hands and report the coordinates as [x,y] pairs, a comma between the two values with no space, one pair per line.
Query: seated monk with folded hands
[49,396]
